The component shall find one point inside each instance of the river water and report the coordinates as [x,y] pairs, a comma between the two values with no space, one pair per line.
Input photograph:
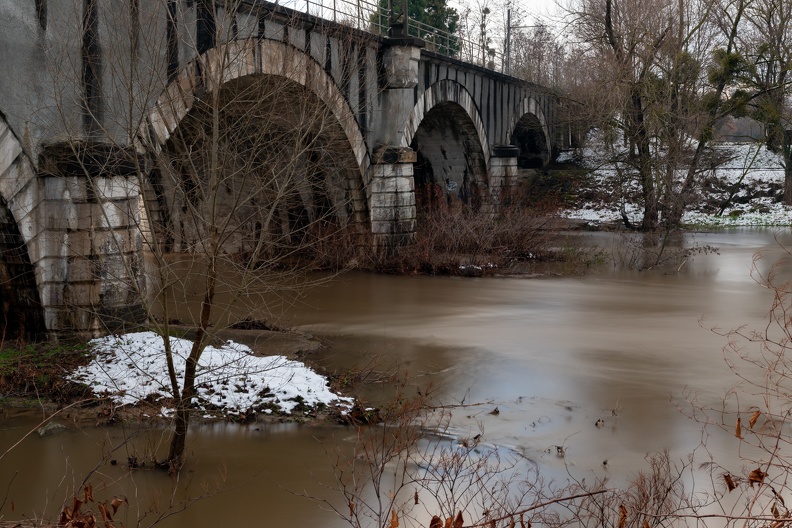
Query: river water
[554,355]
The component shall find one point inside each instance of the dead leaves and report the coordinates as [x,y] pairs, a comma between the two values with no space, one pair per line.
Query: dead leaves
[756,476]
[116,503]
[751,422]
[730,484]
[394,522]
[74,517]
[450,522]
[755,416]
[622,516]
[459,521]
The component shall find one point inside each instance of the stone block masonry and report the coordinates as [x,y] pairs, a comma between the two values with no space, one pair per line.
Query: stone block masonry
[89,263]
[392,202]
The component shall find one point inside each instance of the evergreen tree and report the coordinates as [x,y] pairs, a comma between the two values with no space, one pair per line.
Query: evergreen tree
[431,20]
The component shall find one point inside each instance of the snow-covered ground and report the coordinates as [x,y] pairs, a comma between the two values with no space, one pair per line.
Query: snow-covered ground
[230,380]
[753,174]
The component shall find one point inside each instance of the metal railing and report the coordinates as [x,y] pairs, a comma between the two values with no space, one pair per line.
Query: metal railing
[373,17]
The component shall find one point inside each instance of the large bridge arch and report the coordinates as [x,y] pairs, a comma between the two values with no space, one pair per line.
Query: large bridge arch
[529,131]
[240,59]
[257,61]
[446,131]
[21,312]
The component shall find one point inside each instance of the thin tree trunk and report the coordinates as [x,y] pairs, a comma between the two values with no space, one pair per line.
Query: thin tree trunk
[685,191]
[182,418]
[788,167]
[644,164]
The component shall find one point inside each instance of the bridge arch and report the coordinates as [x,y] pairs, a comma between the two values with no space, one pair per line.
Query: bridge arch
[529,132]
[447,133]
[287,72]
[21,312]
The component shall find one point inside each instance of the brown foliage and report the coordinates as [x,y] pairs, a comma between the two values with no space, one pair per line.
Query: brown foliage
[460,241]
[730,484]
[75,517]
[757,476]
[755,416]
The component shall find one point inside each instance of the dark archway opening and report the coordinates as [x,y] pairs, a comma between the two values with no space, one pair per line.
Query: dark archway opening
[428,193]
[21,314]
[285,172]
[529,137]
[451,168]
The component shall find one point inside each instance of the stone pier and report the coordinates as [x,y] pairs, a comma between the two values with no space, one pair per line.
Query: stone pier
[89,260]
[502,173]
[393,212]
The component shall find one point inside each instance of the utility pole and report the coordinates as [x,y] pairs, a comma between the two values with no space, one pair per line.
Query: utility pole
[507,47]
[507,57]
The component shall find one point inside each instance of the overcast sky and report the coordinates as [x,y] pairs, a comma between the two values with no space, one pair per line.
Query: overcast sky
[533,11]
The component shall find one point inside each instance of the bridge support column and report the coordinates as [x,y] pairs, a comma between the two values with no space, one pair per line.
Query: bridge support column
[502,174]
[91,269]
[393,213]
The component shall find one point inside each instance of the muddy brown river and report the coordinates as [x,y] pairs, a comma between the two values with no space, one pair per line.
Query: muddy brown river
[554,355]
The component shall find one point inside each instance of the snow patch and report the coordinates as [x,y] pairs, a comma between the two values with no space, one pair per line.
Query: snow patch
[230,379]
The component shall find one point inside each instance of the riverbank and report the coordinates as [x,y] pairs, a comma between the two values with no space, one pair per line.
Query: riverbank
[744,189]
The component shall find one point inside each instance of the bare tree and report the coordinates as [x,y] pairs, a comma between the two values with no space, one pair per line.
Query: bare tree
[765,45]
[238,170]
[538,55]
[659,79]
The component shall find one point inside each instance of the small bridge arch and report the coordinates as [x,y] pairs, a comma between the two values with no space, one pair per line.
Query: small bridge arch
[528,131]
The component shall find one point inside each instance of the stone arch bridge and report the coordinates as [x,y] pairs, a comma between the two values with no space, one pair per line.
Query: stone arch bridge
[71,133]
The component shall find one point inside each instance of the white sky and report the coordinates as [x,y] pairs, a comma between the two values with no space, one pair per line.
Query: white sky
[542,9]
[547,12]
[525,12]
